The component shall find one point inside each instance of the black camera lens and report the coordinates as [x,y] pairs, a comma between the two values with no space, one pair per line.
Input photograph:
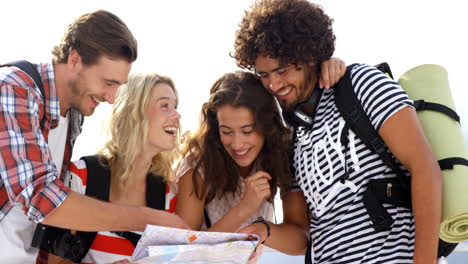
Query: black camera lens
[69,247]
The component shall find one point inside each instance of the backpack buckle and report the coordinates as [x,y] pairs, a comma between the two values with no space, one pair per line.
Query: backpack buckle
[355,115]
[378,145]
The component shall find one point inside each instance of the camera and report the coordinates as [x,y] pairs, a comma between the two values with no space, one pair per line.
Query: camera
[60,242]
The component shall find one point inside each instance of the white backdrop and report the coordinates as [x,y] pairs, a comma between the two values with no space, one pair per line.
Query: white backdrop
[190,41]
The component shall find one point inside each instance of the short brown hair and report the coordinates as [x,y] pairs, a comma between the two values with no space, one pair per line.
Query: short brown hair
[95,34]
[292,31]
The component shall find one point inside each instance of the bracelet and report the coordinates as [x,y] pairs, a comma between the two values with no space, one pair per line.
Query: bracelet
[263,221]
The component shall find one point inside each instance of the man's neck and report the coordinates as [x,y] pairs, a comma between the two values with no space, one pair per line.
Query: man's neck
[307,109]
[60,72]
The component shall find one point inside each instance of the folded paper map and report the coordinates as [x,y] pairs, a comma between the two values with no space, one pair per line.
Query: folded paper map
[172,245]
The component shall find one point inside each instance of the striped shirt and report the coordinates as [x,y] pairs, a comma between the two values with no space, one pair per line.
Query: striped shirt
[340,227]
[107,247]
[28,175]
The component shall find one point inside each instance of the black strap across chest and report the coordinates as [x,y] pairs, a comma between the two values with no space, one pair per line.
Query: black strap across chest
[356,119]
[98,186]
[32,72]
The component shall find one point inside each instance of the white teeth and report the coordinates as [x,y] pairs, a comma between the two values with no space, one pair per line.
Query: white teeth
[170,129]
[284,92]
[241,153]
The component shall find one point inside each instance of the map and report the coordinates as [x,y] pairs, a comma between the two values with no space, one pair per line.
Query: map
[171,245]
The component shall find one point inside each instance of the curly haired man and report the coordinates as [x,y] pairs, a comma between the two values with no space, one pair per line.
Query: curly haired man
[284,42]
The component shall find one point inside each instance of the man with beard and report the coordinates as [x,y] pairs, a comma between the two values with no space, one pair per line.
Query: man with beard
[38,129]
[284,42]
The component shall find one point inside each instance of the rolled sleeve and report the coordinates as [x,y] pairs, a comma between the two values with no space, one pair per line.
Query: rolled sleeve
[47,200]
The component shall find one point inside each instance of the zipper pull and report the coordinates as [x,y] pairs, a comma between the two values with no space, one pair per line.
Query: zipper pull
[389,190]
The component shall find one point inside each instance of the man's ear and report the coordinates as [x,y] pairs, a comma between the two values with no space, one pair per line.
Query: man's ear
[74,62]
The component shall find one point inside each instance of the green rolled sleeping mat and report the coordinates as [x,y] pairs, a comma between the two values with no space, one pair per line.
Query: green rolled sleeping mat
[430,83]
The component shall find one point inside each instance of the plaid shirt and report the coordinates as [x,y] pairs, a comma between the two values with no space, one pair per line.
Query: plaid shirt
[28,174]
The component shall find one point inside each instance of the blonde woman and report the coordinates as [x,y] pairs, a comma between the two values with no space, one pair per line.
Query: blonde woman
[144,132]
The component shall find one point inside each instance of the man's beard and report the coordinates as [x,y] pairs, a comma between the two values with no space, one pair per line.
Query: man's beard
[303,91]
[75,95]
[307,87]
[288,106]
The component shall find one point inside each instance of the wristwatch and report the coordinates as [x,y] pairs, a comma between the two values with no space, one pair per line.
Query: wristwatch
[265,222]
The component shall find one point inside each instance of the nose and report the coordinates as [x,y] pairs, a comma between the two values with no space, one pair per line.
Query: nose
[236,143]
[175,114]
[110,94]
[275,82]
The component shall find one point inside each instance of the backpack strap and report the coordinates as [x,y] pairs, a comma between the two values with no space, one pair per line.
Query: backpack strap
[32,72]
[421,105]
[155,192]
[448,163]
[98,182]
[98,186]
[356,119]
[75,247]
[130,236]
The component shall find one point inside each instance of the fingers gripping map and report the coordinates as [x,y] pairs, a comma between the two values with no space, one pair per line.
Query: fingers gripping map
[171,245]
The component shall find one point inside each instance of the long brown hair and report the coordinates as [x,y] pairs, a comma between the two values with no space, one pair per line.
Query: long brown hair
[204,147]
[94,35]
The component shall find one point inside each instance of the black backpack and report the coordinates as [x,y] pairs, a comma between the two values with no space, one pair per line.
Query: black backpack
[32,72]
[396,191]
[62,243]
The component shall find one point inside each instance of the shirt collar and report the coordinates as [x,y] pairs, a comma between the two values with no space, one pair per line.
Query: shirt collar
[48,79]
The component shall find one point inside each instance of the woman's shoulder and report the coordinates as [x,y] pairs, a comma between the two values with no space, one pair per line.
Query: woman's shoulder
[77,176]
[78,168]
[186,164]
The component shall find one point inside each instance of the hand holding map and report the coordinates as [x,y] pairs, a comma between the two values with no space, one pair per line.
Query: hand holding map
[171,245]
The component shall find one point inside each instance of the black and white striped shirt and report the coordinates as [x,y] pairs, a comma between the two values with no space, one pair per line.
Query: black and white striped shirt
[340,227]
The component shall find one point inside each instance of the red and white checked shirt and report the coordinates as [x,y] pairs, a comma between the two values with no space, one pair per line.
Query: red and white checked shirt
[28,174]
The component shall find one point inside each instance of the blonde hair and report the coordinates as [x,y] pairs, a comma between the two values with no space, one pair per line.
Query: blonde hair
[128,129]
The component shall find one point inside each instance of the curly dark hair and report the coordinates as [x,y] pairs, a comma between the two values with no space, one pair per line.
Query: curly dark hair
[292,31]
[205,149]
